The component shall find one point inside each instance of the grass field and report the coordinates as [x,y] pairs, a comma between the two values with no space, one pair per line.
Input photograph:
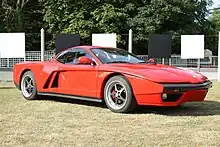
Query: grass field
[59,122]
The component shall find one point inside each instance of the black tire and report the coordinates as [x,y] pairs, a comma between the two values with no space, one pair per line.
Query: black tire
[130,103]
[33,94]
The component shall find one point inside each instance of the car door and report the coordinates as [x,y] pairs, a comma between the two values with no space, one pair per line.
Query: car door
[77,79]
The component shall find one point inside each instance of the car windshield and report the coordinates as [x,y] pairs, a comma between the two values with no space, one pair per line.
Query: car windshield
[115,55]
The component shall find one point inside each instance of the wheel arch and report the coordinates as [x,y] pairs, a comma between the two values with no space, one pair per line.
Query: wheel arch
[110,76]
[21,75]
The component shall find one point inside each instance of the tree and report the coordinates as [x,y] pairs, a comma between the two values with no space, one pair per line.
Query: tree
[2,24]
[13,10]
[215,19]
[145,17]
[170,17]
[212,41]
[23,16]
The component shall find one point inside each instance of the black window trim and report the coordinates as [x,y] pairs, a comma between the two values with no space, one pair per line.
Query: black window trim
[62,53]
[73,50]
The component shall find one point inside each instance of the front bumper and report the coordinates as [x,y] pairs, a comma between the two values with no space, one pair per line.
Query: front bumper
[189,92]
[187,87]
[176,94]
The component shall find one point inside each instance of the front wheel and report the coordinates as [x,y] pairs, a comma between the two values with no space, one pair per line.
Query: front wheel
[28,86]
[118,95]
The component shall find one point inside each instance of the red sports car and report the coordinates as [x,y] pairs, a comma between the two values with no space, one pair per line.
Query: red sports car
[120,79]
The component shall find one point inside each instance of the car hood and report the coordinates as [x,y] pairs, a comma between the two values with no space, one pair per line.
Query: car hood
[159,73]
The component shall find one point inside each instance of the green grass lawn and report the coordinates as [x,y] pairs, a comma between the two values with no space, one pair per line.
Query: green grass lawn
[62,122]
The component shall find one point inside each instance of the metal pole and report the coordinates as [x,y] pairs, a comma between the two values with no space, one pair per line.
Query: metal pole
[198,65]
[170,63]
[162,60]
[8,63]
[130,41]
[25,56]
[42,44]
[25,48]
[219,57]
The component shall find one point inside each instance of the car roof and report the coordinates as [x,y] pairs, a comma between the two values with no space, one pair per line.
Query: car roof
[89,47]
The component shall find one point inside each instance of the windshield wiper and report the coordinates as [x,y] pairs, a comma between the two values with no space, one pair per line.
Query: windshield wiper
[118,62]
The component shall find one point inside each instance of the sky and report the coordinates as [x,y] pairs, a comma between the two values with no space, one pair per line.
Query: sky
[216,3]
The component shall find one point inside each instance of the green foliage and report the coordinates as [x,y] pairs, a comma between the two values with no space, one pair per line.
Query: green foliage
[212,32]
[33,22]
[22,16]
[215,19]
[170,17]
[2,24]
[84,18]
[144,17]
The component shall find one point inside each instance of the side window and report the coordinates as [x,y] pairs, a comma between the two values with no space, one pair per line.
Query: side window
[83,53]
[74,55]
[62,57]
[70,58]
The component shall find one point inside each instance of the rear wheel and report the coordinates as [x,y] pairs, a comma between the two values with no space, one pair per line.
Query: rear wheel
[118,95]
[28,86]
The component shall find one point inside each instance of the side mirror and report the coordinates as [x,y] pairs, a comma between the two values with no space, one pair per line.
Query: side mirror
[85,60]
[151,61]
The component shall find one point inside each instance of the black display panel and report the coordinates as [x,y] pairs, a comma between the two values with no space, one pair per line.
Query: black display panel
[159,46]
[64,41]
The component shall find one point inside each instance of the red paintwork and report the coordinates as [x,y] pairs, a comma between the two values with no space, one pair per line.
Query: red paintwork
[89,80]
[155,99]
